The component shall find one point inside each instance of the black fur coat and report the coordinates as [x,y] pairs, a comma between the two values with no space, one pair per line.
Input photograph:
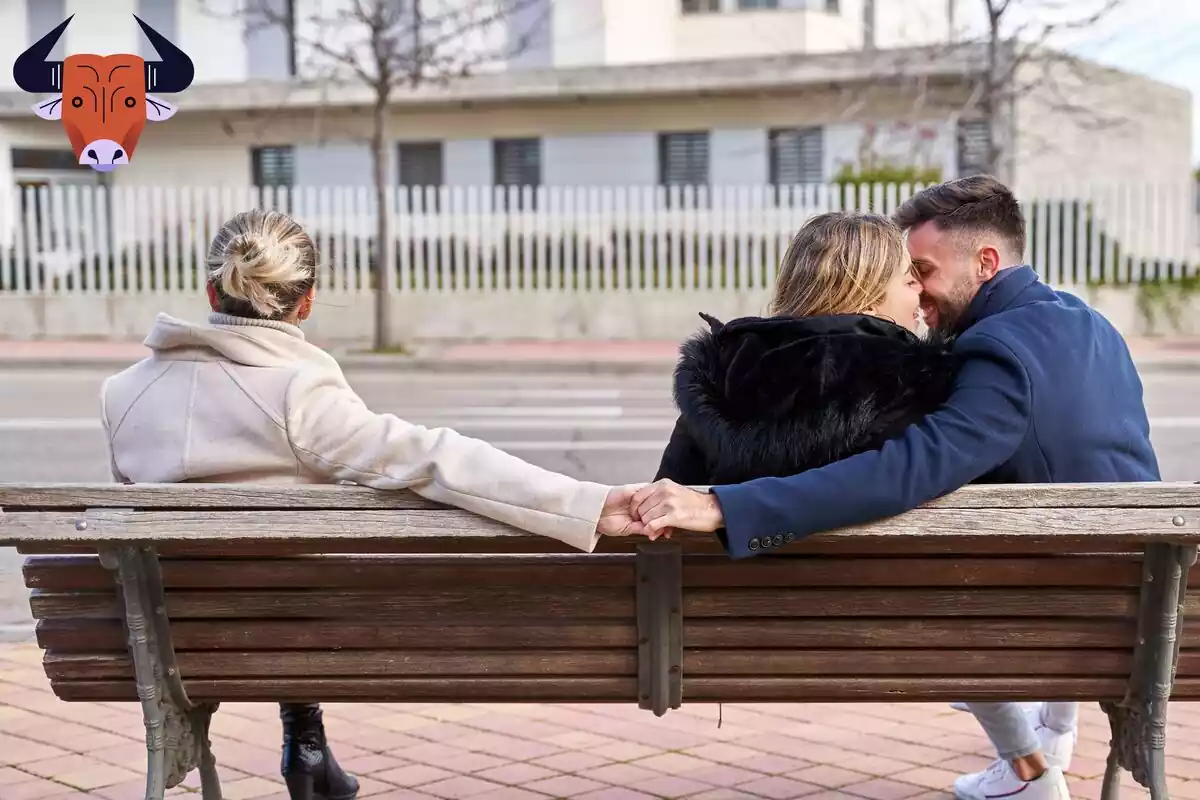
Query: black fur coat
[775,396]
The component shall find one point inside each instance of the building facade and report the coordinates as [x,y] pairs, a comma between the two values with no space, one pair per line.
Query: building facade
[603,92]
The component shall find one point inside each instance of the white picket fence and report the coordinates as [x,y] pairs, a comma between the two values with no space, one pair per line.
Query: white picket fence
[92,240]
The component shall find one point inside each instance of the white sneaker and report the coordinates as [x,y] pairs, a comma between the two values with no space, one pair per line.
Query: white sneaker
[999,782]
[1028,708]
[1056,747]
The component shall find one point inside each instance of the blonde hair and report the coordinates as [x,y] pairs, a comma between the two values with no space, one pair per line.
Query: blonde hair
[261,263]
[839,263]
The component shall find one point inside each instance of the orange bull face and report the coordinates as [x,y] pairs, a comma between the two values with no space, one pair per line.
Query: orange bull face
[104,102]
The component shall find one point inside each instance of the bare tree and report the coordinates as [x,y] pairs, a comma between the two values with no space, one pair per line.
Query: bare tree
[391,46]
[1022,39]
[1004,51]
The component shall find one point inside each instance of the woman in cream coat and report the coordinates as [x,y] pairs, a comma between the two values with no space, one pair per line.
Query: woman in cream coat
[246,399]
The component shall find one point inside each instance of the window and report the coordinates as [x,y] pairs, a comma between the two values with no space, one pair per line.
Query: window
[744,5]
[700,6]
[43,159]
[683,158]
[273,166]
[160,15]
[517,162]
[972,147]
[270,37]
[797,156]
[421,164]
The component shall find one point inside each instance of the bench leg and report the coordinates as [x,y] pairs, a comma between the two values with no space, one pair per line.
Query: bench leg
[1139,721]
[176,729]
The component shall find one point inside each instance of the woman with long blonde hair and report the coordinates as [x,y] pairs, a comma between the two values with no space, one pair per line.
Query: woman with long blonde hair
[836,368]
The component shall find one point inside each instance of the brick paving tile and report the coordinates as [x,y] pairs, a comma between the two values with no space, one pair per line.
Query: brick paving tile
[37,789]
[672,786]
[248,789]
[829,776]
[614,793]
[579,740]
[779,788]
[724,752]
[624,751]
[403,794]
[512,793]
[564,785]
[369,786]
[414,775]
[723,775]
[516,774]
[79,772]
[620,774]
[507,746]
[726,794]
[879,766]
[672,763]
[460,786]
[774,765]
[370,764]
[441,732]
[965,764]
[884,789]
[571,761]
[1088,768]
[15,751]
[928,777]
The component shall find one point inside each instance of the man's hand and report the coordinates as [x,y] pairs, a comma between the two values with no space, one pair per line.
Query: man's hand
[616,518]
[665,504]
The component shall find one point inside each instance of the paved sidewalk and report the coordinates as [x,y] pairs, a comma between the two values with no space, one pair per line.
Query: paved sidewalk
[72,751]
[656,356]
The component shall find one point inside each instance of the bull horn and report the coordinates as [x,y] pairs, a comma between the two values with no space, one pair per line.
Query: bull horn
[33,72]
[174,71]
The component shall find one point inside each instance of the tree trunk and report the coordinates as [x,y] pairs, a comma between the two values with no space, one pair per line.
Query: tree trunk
[383,287]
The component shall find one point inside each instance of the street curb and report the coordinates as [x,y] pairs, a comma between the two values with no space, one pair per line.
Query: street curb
[400,364]
[418,364]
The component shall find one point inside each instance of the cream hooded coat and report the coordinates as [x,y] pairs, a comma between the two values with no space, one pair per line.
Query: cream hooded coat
[250,401]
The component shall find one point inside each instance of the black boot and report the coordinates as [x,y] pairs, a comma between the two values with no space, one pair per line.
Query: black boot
[309,768]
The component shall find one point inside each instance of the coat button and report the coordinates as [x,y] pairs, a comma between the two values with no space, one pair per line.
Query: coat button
[789,538]
[753,543]
[778,540]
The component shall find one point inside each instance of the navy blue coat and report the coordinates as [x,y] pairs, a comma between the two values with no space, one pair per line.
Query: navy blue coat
[1047,393]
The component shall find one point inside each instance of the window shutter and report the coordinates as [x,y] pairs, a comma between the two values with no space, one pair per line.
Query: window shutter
[797,156]
[273,166]
[518,162]
[972,147]
[683,159]
[421,164]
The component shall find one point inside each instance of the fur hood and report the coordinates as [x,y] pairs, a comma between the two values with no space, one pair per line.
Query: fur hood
[776,396]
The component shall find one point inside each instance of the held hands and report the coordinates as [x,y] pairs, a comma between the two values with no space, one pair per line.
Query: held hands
[655,509]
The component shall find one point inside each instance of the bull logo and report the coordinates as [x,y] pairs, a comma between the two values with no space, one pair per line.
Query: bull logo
[103,101]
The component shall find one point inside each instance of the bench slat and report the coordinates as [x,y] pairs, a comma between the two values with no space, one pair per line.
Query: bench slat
[319,496]
[356,663]
[379,690]
[450,527]
[82,635]
[480,603]
[552,663]
[82,573]
[500,603]
[624,690]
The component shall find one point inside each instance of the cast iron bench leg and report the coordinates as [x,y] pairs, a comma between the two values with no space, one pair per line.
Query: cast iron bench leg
[176,729]
[1139,721]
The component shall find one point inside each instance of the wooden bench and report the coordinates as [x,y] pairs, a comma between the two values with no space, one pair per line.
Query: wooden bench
[334,593]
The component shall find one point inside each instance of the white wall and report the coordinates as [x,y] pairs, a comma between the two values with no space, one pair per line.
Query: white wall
[213,42]
[639,31]
[467,162]
[912,22]
[103,28]
[578,32]
[627,159]
[13,38]
[738,156]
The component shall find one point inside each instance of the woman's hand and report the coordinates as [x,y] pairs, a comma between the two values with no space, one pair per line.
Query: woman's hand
[616,517]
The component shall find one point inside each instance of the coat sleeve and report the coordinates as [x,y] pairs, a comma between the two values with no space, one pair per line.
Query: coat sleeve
[682,460]
[980,427]
[333,433]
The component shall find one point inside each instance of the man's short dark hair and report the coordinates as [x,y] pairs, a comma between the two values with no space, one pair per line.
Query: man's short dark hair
[976,204]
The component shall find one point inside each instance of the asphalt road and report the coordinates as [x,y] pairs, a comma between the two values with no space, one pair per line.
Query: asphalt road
[604,428]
